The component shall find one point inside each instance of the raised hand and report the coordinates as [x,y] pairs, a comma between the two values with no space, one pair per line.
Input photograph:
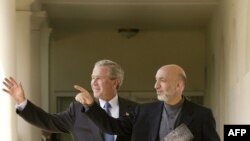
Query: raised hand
[83,96]
[14,89]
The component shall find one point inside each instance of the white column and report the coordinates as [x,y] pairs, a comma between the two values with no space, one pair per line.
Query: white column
[40,37]
[44,46]
[8,126]
[29,67]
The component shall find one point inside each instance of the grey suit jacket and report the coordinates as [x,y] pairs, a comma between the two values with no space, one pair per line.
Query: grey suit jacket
[72,120]
[143,123]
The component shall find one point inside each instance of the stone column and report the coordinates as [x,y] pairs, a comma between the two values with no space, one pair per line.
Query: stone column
[26,69]
[40,39]
[29,24]
[8,120]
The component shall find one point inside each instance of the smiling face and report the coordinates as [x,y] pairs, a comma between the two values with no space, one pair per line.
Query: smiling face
[102,85]
[169,84]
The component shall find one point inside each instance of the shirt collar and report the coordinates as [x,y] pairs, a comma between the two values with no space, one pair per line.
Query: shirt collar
[174,108]
[113,102]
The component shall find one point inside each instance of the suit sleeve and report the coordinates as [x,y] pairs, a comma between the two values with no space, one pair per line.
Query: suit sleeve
[119,126]
[209,128]
[60,122]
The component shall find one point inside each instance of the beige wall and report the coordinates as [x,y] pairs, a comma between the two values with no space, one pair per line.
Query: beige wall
[74,54]
[228,63]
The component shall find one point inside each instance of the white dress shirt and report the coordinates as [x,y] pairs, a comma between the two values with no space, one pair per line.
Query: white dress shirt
[22,105]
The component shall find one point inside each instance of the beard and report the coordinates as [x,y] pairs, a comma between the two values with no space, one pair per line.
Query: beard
[162,97]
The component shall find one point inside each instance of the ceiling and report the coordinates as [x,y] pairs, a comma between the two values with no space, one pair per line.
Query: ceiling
[142,14]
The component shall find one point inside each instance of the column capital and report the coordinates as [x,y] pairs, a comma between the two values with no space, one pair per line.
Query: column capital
[39,19]
[28,5]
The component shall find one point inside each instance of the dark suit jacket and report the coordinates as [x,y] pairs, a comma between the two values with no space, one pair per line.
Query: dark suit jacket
[144,123]
[72,120]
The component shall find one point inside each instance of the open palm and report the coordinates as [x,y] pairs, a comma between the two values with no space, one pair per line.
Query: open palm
[14,89]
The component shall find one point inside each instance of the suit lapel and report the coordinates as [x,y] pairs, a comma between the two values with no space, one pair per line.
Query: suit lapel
[125,106]
[186,114]
[155,120]
[122,107]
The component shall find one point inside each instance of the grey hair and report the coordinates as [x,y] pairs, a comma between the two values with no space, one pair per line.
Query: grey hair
[115,70]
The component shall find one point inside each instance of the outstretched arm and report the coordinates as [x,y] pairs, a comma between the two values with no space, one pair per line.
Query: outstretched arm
[120,126]
[60,122]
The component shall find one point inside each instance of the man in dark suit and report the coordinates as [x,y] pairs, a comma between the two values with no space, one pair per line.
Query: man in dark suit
[172,118]
[106,79]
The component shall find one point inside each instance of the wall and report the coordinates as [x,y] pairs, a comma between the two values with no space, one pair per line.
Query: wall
[72,56]
[228,63]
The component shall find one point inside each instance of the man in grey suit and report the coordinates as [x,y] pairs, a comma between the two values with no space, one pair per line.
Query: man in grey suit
[172,118]
[106,79]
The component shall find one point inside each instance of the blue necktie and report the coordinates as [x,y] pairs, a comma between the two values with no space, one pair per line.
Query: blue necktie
[106,136]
